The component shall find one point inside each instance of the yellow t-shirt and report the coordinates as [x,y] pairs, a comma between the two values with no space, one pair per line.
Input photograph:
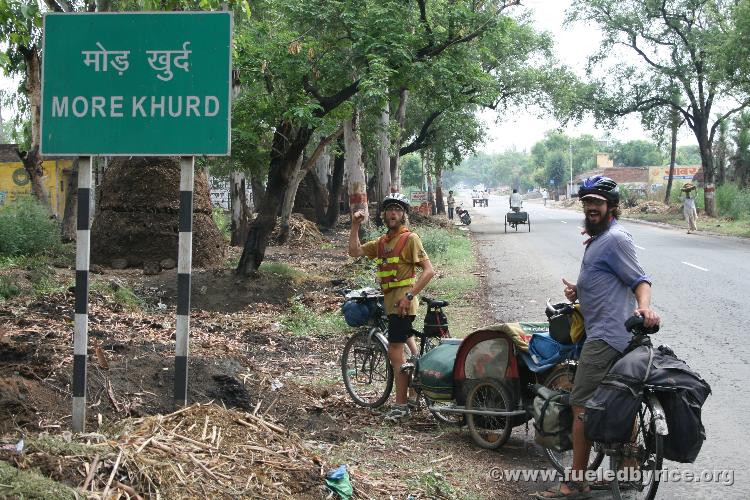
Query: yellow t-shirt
[412,253]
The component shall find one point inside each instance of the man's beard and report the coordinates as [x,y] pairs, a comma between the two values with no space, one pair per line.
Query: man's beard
[596,228]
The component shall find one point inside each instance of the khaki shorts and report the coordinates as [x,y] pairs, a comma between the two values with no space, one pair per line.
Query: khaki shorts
[596,358]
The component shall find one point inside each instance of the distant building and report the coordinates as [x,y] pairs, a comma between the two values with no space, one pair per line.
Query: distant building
[659,176]
[14,180]
[644,179]
[604,160]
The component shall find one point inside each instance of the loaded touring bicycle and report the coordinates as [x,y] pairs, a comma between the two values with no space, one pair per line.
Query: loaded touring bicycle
[484,379]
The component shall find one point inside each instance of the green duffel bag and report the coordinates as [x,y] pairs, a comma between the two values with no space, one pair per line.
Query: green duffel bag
[553,419]
[435,371]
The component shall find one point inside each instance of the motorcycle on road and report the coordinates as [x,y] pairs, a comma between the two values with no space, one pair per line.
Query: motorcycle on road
[463,215]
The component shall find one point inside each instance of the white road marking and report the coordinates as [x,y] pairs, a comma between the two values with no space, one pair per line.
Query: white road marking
[563,222]
[641,248]
[693,265]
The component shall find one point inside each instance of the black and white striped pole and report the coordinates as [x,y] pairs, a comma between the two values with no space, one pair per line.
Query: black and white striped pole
[81,333]
[184,270]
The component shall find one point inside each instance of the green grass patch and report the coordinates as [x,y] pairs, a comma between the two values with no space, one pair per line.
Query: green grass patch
[8,288]
[453,260]
[128,299]
[304,322]
[27,228]
[433,484]
[222,221]
[118,293]
[15,483]
[281,269]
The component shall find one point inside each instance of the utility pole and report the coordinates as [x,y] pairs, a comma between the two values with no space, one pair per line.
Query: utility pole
[570,153]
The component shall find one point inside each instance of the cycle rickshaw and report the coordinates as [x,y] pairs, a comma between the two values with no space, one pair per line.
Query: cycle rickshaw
[515,218]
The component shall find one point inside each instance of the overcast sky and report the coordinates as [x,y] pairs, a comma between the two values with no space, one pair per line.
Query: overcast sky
[520,129]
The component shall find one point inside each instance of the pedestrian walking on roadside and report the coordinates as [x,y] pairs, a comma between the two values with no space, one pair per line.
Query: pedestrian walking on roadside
[451,204]
[545,195]
[688,206]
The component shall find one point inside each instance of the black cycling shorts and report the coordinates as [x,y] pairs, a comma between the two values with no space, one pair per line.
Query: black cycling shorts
[399,327]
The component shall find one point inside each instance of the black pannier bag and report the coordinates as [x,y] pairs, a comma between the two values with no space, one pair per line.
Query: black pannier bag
[686,431]
[436,324]
[682,405]
[611,411]
[553,419]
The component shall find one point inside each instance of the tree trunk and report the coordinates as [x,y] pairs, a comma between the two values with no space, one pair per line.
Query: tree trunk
[291,193]
[395,159]
[430,191]
[288,144]
[709,186]
[240,212]
[68,225]
[334,190]
[323,168]
[384,160]
[722,154]
[439,205]
[32,160]
[257,190]
[672,153]
[317,193]
[355,170]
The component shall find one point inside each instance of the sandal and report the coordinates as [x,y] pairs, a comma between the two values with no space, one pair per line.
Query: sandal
[576,492]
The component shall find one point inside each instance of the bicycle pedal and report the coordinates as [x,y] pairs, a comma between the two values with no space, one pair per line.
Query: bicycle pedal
[407,367]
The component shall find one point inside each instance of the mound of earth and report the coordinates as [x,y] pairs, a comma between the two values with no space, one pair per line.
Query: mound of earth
[651,207]
[302,233]
[138,220]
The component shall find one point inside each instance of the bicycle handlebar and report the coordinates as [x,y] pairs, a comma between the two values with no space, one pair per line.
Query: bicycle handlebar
[634,325]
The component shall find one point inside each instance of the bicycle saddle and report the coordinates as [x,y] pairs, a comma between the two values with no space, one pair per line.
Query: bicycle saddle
[434,303]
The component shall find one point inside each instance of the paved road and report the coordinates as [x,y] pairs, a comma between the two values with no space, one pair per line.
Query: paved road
[700,290]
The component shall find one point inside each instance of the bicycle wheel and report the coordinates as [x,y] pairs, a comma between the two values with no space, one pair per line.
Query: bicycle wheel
[562,379]
[645,454]
[489,432]
[456,419]
[367,372]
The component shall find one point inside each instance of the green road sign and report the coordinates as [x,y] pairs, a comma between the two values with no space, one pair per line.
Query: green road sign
[136,84]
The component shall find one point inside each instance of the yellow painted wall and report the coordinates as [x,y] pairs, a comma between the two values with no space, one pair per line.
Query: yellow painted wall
[14,181]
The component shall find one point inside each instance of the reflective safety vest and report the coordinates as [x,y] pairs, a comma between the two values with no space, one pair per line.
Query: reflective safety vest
[387,263]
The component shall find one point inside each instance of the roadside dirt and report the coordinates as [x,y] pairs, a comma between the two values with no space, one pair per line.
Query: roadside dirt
[242,358]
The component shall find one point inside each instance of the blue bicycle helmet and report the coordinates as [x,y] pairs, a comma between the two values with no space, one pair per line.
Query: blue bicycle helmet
[601,187]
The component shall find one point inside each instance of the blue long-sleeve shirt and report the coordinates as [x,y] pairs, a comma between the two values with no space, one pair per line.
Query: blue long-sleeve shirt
[610,273]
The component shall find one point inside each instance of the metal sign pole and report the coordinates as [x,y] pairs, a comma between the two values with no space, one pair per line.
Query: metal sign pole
[81,334]
[184,269]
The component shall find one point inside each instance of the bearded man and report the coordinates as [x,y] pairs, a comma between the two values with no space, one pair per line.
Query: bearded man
[611,287]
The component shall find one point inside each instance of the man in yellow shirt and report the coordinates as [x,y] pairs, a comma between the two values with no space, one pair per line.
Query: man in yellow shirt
[398,254]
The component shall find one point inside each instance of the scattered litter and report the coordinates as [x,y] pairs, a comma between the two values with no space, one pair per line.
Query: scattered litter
[276,384]
[338,481]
